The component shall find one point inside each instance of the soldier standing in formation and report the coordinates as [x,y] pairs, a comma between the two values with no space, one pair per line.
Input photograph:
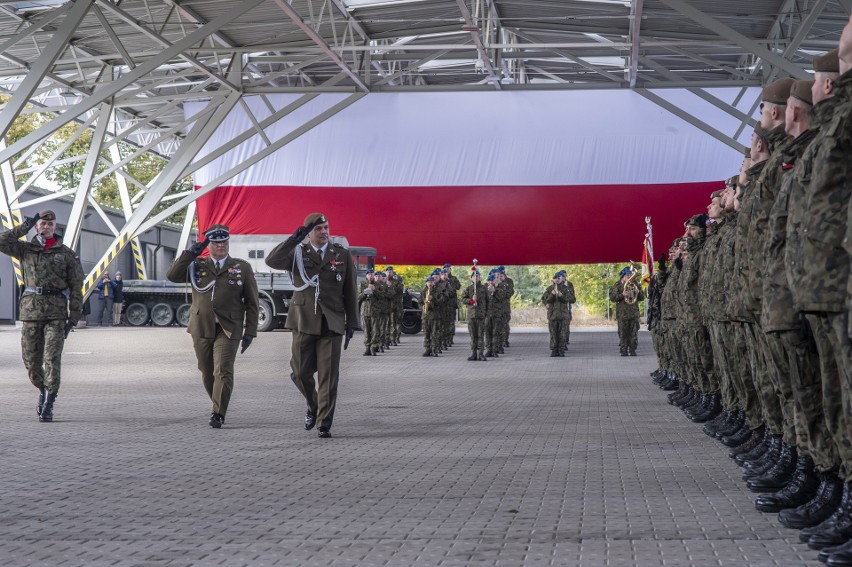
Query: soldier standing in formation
[555,298]
[224,312]
[773,279]
[398,290]
[476,298]
[626,293]
[571,301]
[50,305]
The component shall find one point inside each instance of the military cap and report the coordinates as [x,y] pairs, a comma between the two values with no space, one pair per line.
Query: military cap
[490,277]
[828,63]
[317,218]
[716,194]
[501,268]
[760,131]
[369,271]
[389,269]
[47,214]
[778,91]
[430,279]
[445,271]
[379,274]
[802,91]
[627,270]
[436,271]
[218,233]
[118,273]
[448,265]
[557,275]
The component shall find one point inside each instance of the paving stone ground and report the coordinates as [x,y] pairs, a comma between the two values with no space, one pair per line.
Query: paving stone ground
[523,460]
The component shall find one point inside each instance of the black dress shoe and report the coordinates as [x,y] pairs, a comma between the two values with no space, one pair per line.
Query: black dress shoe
[310,419]
[216,420]
[324,433]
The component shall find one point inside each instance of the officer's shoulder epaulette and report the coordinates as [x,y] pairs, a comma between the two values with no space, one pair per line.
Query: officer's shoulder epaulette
[338,245]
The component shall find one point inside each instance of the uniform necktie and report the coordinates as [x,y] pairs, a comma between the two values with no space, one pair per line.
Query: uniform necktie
[218,266]
[319,251]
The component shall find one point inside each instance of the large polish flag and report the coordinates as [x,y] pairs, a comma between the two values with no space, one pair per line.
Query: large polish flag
[544,177]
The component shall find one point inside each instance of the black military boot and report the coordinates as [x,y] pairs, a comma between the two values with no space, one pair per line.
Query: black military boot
[755,439]
[671,385]
[766,461]
[840,556]
[798,491]
[819,508]
[700,408]
[682,392]
[631,351]
[481,357]
[779,475]
[41,396]
[473,356]
[837,529]
[554,354]
[47,408]
[623,351]
[375,351]
[689,402]
[735,424]
[427,352]
[724,419]
[368,352]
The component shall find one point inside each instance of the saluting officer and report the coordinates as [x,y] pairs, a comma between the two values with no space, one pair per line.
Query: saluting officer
[224,312]
[323,309]
[51,303]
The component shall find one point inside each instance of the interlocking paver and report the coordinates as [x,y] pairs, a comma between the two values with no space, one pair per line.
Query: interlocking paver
[523,460]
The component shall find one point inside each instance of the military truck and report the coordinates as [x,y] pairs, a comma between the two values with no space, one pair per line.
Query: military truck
[164,303]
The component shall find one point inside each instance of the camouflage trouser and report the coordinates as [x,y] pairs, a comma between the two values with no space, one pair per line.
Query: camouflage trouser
[397,324]
[741,374]
[476,329]
[381,323]
[721,362]
[493,333]
[369,330]
[557,333]
[628,333]
[780,376]
[41,349]
[657,343]
[770,407]
[567,329]
[812,435]
[700,357]
[431,338]
[833,345]
[674,345]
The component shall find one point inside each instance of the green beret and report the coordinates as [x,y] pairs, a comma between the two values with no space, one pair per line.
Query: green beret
[828,63]
[778,91]
[802,91]
[317,218]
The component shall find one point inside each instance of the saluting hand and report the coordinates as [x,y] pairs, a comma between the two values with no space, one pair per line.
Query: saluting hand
[30,222]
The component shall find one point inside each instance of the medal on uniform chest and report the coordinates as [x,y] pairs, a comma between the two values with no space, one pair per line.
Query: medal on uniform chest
[333,265]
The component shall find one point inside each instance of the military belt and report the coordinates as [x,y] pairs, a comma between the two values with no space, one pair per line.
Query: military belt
[45,291]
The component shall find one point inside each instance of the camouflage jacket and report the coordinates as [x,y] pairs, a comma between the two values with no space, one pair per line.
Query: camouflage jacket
[476,309]
[763,196]
[432,301]
[709,286]
[688,285]
[740,303]
[824,267]
[366,297]
[669,309]
[655,298]
[722,280]
[556,303]
[55,268]
[797,203]
[778,313]
[625,311]
[498,303]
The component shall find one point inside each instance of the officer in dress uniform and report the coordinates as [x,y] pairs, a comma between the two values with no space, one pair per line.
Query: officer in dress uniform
[323,309]
[224,312]
[51,302]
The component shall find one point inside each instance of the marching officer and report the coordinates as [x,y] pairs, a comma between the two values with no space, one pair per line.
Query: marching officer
[51,303]
[224,312]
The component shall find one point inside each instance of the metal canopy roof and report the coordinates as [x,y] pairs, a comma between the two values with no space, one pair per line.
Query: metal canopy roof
[125,68]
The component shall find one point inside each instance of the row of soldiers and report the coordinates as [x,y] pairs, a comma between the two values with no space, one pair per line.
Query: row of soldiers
[488,312]
[751,322]
[380,301]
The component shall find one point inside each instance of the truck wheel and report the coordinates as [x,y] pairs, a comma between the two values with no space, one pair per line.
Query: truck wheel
[162,315]
[265,318]
[137,314]
[410,324]
[182,314]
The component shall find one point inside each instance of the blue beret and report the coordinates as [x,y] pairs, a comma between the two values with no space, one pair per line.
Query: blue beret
[557,275]
[490,277]
[389,269]
[448,266]
[501,268]
[444,272]
[436,271]
[430,279]
[474,273]
[626,271]
[369,271]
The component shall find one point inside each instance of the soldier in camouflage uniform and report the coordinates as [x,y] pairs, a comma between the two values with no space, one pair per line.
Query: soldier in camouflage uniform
[497,302]
[510,286]
[382,312]
[431,297]
[626,298]
[817,268]
[455,286]
[396,304]
[572,299]
[555,299]
[50,305]
[672,331]
[476,298]
[366,300]
[655,327]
